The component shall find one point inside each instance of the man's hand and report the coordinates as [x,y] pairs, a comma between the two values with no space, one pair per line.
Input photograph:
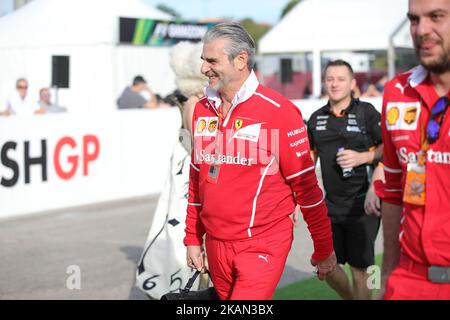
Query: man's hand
[350,158]
[40,111]
[325,267]
[194,257]
[372,204]
[5,113]
[295,215]
[391,216]
[382,291]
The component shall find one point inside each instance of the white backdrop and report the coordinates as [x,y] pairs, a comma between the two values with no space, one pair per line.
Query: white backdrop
[134,153]
[88,32]
[98,74]
[319,26]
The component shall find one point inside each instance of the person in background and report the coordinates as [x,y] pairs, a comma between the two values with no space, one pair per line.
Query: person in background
[138,95]
[381,83]
[45,104]
[188,78]
[346,135]
[19,103]
[356,92]
[415,201]
[164,253]
[4,112]
[371,91]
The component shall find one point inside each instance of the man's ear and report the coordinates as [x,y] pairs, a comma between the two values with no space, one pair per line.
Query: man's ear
[353,84]
[241,60]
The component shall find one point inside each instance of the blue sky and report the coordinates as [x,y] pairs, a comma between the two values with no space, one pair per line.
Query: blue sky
[5,6]
[259,10]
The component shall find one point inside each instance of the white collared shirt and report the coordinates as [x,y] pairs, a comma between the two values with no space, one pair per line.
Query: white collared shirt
[418,75]
[245,92]
[247,89]
[19,106]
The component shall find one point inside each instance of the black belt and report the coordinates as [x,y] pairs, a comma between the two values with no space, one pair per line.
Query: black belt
[436,274]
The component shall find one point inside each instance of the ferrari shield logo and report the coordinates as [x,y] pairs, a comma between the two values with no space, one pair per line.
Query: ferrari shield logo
[410,115]
[238,123]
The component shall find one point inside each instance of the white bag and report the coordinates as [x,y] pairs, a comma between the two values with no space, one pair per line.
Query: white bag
[162,267]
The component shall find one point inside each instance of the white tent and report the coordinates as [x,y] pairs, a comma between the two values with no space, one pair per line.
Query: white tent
[337,25]
[88,32]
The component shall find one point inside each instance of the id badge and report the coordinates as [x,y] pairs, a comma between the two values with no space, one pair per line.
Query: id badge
[214,168]
[213,173]
[415,185]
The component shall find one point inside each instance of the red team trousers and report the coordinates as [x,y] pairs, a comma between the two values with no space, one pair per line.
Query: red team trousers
[249,269]
[409,281]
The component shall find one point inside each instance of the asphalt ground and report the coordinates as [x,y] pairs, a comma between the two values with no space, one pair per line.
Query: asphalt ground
[104,243]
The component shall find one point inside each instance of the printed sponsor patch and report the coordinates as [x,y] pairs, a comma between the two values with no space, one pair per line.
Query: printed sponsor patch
[250,132]
[298,142]
[353,129]
[400,138]
[206,126]
[402,115]
[296,132]
[300,154]
[392,116]
[200,126]
[238,123]
[401,88]
[410,115]
[406,156]
[212,125]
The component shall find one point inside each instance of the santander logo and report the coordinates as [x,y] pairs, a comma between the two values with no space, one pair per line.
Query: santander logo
[432,156]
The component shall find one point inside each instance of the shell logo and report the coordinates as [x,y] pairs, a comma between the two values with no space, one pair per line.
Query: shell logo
[392,116]
[201,125]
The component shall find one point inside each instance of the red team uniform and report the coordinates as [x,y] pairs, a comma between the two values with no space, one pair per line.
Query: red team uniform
[248,172]
[425,229]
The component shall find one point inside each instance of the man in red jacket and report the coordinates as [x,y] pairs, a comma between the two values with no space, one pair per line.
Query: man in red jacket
[416,136]
[250,167]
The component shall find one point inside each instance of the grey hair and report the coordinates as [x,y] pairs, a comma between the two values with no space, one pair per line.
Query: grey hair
[239,40]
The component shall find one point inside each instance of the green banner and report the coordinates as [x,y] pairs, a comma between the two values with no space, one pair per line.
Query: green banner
[159,33]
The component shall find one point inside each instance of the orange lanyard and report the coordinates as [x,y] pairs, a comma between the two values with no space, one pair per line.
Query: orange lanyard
[219,136]
[219,112]
[424,146]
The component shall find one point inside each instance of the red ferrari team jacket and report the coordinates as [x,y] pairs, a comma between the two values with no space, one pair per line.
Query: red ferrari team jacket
[425,230]
[250,169]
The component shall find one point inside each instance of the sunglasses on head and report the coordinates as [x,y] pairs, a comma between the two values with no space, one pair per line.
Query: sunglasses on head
[437,113]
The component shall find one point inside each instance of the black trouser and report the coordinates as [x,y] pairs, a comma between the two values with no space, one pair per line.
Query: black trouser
[354,240]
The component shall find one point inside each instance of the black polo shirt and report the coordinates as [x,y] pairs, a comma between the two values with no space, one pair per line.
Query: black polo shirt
[355,130]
